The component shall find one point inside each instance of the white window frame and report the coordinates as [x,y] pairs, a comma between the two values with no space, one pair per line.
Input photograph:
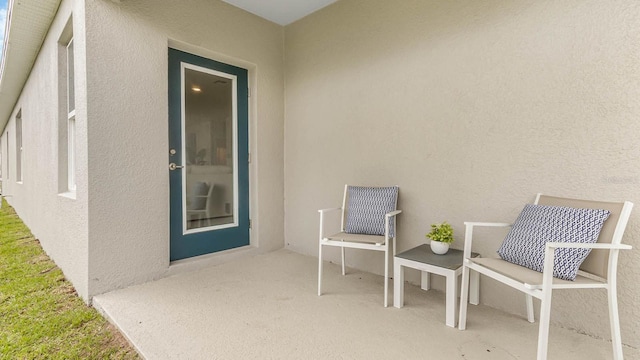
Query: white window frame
[19,154]
[8,153]
[71,119]
[234,99]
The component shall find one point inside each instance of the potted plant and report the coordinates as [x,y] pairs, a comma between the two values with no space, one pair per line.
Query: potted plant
[441,236]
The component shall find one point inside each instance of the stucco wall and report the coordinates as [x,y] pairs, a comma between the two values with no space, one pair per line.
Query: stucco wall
[128,127]
[471,107]
[59,222]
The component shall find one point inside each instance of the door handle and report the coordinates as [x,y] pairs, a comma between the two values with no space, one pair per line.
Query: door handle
[173,166]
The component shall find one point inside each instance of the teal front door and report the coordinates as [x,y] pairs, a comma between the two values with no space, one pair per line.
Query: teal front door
[208,156]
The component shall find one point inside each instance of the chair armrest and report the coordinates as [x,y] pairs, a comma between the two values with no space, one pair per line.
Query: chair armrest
[393,213]
[468,235]
[387,218]
[549,256]
[322,211]
[556,245]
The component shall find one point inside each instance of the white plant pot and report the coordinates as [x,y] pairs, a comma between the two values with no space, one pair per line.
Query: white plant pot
[439,248]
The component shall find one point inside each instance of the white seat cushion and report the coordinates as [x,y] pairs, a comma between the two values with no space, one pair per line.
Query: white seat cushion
[532,278]
[361,238]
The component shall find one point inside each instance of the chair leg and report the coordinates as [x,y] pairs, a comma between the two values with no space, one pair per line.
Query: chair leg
[474,287]
[394,246]
[464,298]
[343,269]
[616,339]
[386,276]
[543,330]
[530,316]
[320,270]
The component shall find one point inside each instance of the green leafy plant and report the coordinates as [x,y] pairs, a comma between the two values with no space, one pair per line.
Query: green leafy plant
[441,232]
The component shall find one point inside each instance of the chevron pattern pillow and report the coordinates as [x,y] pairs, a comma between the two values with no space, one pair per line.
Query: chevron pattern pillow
[538,224]
[366,207]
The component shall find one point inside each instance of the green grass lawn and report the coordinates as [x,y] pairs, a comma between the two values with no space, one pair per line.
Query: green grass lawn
[41,316]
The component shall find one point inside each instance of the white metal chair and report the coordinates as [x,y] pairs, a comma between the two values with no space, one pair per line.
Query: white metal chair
[198,205]
[368,222]
[597,271]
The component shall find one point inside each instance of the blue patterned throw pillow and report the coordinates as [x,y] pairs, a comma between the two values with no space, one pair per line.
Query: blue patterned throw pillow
[538,224]
[366,207]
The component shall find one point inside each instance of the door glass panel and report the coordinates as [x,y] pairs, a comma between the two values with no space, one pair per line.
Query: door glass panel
[209,153]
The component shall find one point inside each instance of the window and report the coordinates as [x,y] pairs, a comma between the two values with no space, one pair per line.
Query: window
[71,120]
[66,113]
[8,163]
[19,155]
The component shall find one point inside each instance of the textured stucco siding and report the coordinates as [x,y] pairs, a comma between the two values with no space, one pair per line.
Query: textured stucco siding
[471,107]
[59,222]
[127,46]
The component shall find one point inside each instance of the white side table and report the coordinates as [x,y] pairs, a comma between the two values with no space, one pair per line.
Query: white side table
[448,265]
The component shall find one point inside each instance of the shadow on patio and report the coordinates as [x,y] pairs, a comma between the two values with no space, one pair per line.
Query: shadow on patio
[266,307]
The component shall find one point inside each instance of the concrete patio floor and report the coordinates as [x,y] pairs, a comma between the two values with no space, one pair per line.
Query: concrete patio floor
[266,307]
